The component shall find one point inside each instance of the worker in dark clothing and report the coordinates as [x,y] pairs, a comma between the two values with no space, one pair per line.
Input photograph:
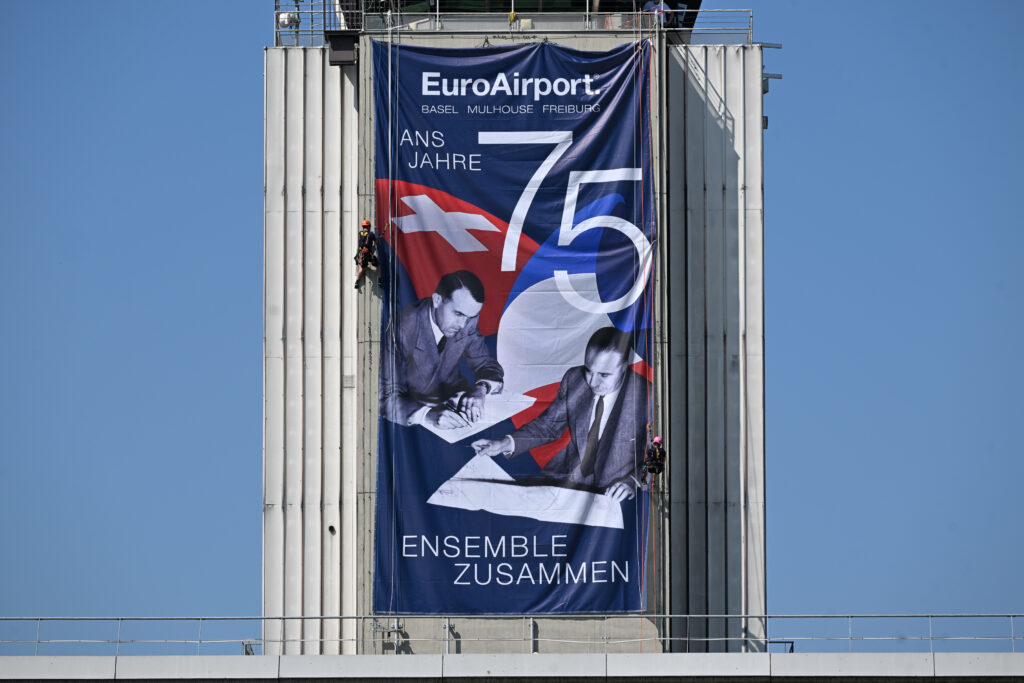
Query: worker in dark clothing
[654,462]
[366,252]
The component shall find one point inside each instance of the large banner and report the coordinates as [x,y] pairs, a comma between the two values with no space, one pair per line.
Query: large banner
[516,222]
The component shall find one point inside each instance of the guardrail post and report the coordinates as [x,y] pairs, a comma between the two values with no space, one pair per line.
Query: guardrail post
[931,643]
[199,640]
[849,631]
[117,646]
[1013,638]
[39,624]
[447,640]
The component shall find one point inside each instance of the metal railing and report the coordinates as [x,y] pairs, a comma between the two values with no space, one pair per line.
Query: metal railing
[456,634]
[302,23]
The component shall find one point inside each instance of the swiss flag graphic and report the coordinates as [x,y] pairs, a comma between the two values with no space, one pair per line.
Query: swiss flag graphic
[434,233]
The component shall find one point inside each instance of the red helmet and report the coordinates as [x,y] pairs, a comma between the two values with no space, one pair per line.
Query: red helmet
[365,223]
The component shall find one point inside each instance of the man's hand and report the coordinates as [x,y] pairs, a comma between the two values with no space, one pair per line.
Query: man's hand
[620,491]
[445,418]
[492,447]
[472,403]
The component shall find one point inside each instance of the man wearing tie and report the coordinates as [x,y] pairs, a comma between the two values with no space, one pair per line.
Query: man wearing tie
[603,404]
[420,378]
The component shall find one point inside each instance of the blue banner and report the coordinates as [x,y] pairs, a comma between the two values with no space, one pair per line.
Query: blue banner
[515,212]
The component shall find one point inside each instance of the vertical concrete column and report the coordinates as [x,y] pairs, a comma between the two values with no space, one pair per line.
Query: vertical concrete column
[312,347]
[273,350]
[716,354]
[350,419]
[310,351]
[332,531]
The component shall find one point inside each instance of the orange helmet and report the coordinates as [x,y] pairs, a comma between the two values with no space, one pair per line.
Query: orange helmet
[365,223]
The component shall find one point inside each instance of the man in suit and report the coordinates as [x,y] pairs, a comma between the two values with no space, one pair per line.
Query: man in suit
[420,380]
[603,404]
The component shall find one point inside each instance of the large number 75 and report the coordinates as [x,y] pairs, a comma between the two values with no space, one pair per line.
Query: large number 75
[567,232]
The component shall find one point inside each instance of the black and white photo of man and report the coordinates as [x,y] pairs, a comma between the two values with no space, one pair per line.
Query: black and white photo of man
[421,382]
[603,404]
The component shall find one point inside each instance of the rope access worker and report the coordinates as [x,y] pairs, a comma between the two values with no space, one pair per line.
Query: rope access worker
[366,252]
[654,462]
[662,13]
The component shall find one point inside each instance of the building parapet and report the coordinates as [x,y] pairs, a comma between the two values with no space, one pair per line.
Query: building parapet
[509,667]
[622,634]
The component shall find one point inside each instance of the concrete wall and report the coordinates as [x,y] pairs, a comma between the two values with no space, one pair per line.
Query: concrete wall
[612,667]
[311,384]
[322,349]
[714,219]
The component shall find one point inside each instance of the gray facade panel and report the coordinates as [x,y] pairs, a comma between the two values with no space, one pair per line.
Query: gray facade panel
[523,666]
[843,664]
[970,664]
[702,665]
[56,668]
[186,667]
[365,666]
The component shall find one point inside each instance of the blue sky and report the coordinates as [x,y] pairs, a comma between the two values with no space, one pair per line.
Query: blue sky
[130,293]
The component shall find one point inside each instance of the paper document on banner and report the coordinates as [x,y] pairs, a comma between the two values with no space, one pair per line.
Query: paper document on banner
[480,485]
[496,409]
